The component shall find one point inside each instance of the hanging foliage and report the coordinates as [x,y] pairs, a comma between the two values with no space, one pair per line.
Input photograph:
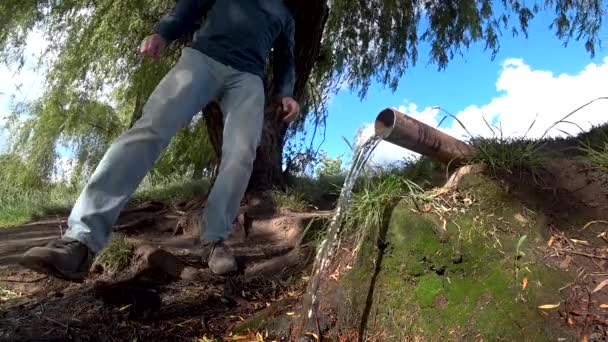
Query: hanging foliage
[97,84]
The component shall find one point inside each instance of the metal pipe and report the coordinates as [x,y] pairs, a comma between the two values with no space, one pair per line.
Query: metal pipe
[407,132]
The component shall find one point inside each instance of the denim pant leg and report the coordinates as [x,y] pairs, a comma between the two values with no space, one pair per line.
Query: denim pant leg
[192,83]
[243,108]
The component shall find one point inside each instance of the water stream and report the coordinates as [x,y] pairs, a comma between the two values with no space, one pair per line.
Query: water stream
[330,244]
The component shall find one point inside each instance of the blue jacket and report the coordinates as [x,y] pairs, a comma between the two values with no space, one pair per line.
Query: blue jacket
[240,34]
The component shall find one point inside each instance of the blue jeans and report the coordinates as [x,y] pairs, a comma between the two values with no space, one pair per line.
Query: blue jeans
[194,81]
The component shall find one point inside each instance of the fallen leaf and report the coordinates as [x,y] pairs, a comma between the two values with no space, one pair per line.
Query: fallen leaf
[550,242]
[524,283]
[580,242]
[549,306]
[291,313]
[603,306]
[125,307]
[600,285]
[571,321]
[585,338]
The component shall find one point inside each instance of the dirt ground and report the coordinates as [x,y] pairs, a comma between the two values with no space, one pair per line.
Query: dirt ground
[573,197]
[167,294]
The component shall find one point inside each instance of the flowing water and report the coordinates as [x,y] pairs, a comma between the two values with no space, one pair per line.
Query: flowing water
[329,245]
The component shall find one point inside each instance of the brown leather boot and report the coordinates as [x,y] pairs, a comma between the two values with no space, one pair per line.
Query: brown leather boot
[64,258]
[219,258]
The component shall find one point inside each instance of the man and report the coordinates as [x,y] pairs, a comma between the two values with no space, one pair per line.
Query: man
[226,61]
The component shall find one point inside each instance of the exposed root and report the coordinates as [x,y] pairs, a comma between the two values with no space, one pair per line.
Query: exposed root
[455,179]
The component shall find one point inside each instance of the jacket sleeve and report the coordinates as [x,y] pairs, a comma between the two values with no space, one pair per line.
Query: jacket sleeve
[182,18]
[284,63]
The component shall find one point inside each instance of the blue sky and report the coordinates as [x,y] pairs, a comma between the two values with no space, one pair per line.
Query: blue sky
[469,80]
[530,77]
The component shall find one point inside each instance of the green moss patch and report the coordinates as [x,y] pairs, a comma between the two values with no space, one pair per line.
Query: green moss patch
[467,286]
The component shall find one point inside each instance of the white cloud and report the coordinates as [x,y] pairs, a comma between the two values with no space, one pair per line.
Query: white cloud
[529,94]
[525,94]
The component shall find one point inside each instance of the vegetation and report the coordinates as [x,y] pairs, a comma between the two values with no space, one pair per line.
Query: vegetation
[507,156]
[290,200]
[116,256]
[594,145]
[464,281]
[18,206]
[96,83]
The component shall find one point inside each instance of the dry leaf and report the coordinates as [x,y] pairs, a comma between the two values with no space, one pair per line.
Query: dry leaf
[125,307]
[600,285]
[550,242]
[580,242]
[571,321]
[524,283]
[549,306]
[603,306]
[585,338]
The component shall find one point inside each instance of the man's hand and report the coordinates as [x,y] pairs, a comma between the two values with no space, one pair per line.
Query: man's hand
[290,108]
[153,46]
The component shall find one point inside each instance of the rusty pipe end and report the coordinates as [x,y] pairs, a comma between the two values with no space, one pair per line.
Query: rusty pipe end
[385,123]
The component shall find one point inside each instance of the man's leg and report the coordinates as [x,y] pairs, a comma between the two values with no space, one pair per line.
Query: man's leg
[191,83]
[243,108]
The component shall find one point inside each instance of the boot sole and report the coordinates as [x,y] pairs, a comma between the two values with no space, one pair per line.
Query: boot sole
[47,268]
[220,271]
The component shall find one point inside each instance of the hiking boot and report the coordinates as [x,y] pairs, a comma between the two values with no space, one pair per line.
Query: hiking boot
[65,258]
[219,258]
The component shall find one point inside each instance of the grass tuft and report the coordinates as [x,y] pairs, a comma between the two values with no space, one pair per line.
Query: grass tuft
[170,189]
[290,200]
[368,204]
[594,145]
[117,254]
[507,156]
[19,206]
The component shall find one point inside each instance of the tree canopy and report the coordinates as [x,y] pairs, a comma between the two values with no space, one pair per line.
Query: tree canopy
[97,83]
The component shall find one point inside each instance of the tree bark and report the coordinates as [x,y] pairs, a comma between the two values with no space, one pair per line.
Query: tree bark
[310,18]
[214,120]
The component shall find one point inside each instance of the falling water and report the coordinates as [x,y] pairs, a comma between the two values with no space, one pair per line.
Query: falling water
[329,245]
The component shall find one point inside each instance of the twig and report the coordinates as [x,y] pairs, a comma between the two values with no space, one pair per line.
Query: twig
[133,223]
[592,223]
[584,336]
[58,323]
[582,253]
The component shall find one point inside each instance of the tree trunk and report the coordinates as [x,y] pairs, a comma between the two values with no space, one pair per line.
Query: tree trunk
[268,165]
[214,120]
[310,18]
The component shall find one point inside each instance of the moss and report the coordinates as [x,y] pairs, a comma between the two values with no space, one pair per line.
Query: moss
[467,286]
[427,289]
